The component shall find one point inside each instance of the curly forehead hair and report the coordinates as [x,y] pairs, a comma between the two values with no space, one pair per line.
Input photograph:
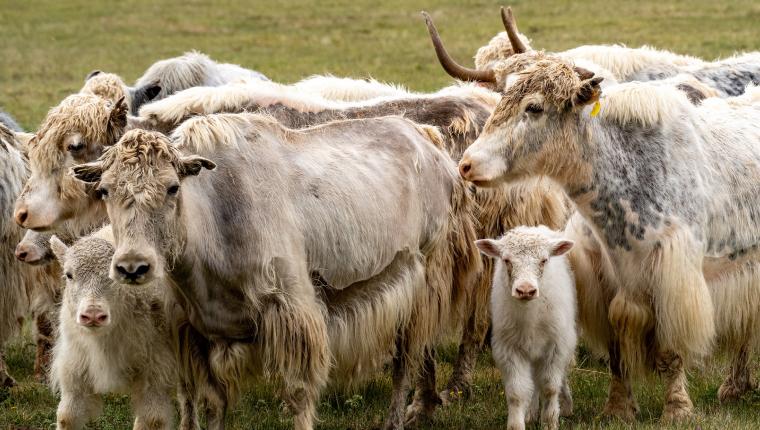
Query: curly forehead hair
[82,113]
[106,85]
[514,64]
[553,78]
[141,148]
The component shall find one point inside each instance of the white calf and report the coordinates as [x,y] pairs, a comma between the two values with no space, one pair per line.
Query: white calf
[533,315]
[113,337]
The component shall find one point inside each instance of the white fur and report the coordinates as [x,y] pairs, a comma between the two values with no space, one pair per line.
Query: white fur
[645,103]
[625,62]
[348,89]
[533,342]
[233,97]
[131,352]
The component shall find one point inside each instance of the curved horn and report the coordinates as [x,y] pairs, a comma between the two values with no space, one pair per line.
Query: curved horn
[511,26]
[449,65]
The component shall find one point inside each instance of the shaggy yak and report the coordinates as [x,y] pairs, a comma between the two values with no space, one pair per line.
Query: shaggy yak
[649,175]
[290,295]
[24,289]
[458,111]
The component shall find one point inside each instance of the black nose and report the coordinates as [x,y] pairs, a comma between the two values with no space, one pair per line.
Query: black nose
[138,271]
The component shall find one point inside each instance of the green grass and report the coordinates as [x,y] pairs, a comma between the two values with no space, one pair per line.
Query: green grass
[49,46]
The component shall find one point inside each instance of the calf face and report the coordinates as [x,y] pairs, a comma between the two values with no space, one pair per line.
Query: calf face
[75,131]
[90,299]
[139,180]
[521,256]
[34,248]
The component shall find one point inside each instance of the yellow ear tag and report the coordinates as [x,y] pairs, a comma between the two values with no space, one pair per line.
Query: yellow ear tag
[595,110]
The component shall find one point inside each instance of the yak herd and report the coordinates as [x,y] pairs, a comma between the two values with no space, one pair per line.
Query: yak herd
[178,238]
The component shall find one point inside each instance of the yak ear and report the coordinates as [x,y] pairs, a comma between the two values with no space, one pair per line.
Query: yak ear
[91,74]
[489,247]
[23,137]
[89,172]
[59,248]
[151,91]
[192,165]
[589,92]
[561,247]
[117,120]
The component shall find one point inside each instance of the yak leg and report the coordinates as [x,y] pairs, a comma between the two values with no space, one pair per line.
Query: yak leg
[303,403]
[739,381]
[566,399]
[620,401]
[216,407]
[426,398]
[153,408]
[188,416]
[76,408]
[191,352]
[678,405]
[473,333]
[44,347]
[400,376]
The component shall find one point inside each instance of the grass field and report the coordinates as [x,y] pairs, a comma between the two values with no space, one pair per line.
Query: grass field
[49,46]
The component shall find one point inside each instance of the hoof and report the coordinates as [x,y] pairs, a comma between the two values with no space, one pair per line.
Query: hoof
[677,411]
[421,410]
[623,410]
[729,391]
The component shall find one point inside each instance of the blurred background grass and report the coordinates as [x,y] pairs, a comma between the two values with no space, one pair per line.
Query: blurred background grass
[48,47]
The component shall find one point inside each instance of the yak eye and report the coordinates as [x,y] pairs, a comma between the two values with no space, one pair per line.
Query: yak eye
[101,193]
[173,190]
[69,275]
[543,261]
[534,108]
[75,147]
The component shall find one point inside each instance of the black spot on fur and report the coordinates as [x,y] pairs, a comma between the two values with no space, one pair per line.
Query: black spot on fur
[695,96]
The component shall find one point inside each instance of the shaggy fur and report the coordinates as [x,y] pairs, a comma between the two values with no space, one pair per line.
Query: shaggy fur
[130,352]
[498,48]
[299,329]
[24,290]
[699,79]
[638,175]
[77,130]
[348,89]
[534,336]
[192,69]
[107,86]
[625,64]
[634,64]
[9,122]
[459,112]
